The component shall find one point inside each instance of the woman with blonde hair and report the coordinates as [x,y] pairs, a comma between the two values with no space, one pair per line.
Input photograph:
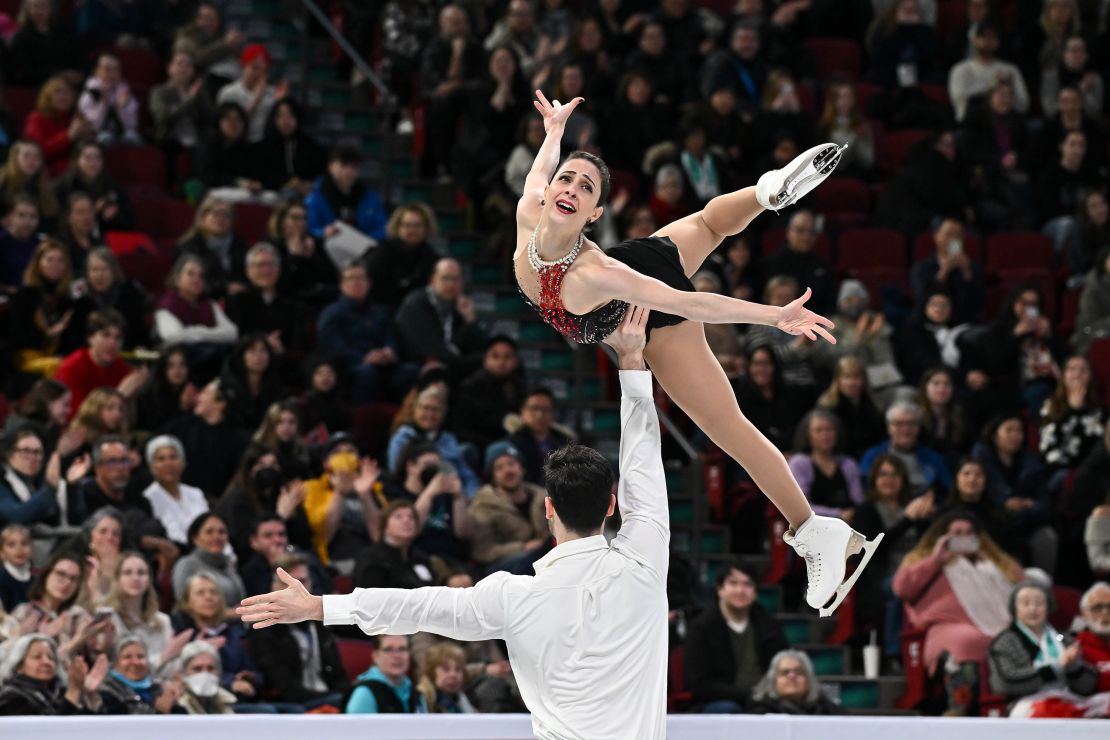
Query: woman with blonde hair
[24,173]
[848,397]
[1072,418]
[42,309]
[134,605]
[443,679]
[55,124]
[844,123]
[406,259]
[221,251]
[104,411]
[280,431]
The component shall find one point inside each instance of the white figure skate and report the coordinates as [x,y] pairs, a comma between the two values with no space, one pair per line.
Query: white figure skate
[826,544]
[779,188]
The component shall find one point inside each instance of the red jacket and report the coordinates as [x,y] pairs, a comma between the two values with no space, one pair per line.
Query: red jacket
[52,134]
[82,376]
[1096,651]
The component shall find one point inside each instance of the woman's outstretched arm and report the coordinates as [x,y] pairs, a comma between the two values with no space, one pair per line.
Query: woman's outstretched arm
[555,117]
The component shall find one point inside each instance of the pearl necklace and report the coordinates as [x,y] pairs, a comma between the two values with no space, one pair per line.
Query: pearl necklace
[539,264]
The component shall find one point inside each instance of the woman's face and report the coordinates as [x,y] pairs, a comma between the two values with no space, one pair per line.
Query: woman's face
[844,100]
[571,81]
[412,229]
[166,466]
[1002,100]
[401,527]
[428,412]
[822,434]
[761,369]
[111,414]
[888,482]
[90,162]
[39,662]
[449,677]
[216,220]
[256,358]
[589,36]
[177,369]
[99,274]
[938,389]
[204,599]
[286,429]
[26,457]
[52,265]
[502,65]
[59,408]
[231,125]
[132,663]
[105,537]
[134,577]
[190,281]
[534,134]
[1069,102]
[22,221]
[182,69]
[202,663]
[695,142]
[285,120]
[961,528]
[1009,437]
[1077,374]
[61,99]
[1031,608]
[739,254]
[642,223]
[669,189]
[790,680]
[82,216]
[971,481]
[850,383]
[212,536]
[573,195]
[63,580]
[1075,54]
[324,378]
[652,39]
[638,91]
[938,309]
[1097,210]
[28,159]
[295,223]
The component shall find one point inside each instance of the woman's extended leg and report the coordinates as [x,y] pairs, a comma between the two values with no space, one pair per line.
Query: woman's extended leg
[698,234]
[686,368]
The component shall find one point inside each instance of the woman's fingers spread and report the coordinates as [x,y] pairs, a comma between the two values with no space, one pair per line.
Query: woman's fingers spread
[543,98]
[829,337]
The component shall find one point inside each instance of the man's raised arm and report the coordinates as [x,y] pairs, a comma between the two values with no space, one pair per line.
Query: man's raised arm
[642,492]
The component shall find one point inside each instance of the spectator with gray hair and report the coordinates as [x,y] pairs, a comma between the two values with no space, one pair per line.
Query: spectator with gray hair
[130,687]
[668,199]
[864,333]
[1094,638]
[790,686]
[201,667]
[30,681]
[926,467]
[262,308]
[173,503]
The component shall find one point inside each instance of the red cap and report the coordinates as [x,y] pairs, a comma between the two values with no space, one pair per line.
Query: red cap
[252,52]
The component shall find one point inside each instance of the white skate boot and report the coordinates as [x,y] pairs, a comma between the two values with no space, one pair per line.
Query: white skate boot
[779,188]
[826,544]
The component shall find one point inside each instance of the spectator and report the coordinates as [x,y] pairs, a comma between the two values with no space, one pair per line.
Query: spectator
[202,693]
[435,490]
[168,391]
[427,424]
[668,199]
[404,262]
[45,411]
[443,681]
[1094,639]
[24,175]
[731,646]
[108,105]
[100,541]
[580,130]
[202,39]
[637,122]
[99,365]
[363,335]
[205,435]
[782,119]
[1041,47]
[830,480]
[955,585]
[843,122]
[186,315]
[741,67]
[41,310]
[300,662]
[766,399]
[905,50]
[529,138]
[932,338]
[31,684]
[1072,420]
[180,106]
[1074,70]
[1093,321]
[653,59]
[440,322]
[252,91]
[798,260]
[724,339]
[52,605]
[135,614]
[15,566]
[517,31]
[173,503]
[993,143]
[18,238]
[251,381]
[103,412]
[324,406]
[307,271]
[944,425]
[394,561]
[130,687]
[950,270]
[280,431]
[490,394]
[1070,118]
[43,45]
[87,175]
[865,333]
[105,287]
[269,545]
[537,436]
[78,230]
[208,536]
[790,686]
[341,195]
[259,489]
[287,159]
[55,126]
[1089,235]
[31,492]
[926,468]
[971,495]
[1030,661]
[221,251]
[980,72]
[386,688]
[508,517]
[1063,183]
[225,161]
[340,507]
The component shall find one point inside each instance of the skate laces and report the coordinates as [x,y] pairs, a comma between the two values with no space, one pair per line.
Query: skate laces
[813,564]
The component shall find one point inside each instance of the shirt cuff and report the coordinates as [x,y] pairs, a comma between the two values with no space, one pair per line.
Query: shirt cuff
[636,384]
[339,609]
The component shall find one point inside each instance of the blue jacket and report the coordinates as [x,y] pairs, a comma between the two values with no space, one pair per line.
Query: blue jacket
[448,447]
[932,464]
[41,505]
[370,217]
[362,700]
[349,330]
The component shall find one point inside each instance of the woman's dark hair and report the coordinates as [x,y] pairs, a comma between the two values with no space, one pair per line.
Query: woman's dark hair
[412,451]
[906,493]
[198,523]
[596,161]
[738,565]
[271,120]
[242,478]
[776,367]
[956,422]
[1006,317]
[992,425]
[38,586]
[236,363]
[579,481]
[229,107]
[954,495]
[44,392]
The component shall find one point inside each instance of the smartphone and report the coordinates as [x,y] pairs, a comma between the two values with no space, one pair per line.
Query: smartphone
[955,246]
[964,544]
[1032,312]
[102,614]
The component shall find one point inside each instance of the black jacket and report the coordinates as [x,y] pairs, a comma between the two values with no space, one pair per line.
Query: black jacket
[250,312]
[216,448]
[483,402]
[384,566]
[23,695]
[277,656]
[216,277]
[710,668]
[1013,673]
[769,705]
[396,269]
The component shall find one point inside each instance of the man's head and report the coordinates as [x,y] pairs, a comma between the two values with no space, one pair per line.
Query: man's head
[579,490]
[780,290]
[1073,149]
[255,63]
[104,331]
[296,565]
[986,39]
[111,459]
[1095,609]
[505,466]
[354,283]
[447,280]
[400,524]
[538,412]
[744,42]
[736,589]
[903,422]
[343,167]
[500,359]
[947,235]
[519,16]
[263,266]
[208,18]
[453,23]
[392,657]
[269,537]
[801,232]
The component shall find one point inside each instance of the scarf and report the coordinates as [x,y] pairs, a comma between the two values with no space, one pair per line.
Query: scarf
[983,592]
[1048,644]
[215,560]
[21,573]
[21,486]
[703,175]
[143,687]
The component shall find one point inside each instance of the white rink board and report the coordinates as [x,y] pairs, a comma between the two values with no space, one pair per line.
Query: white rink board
[517,727]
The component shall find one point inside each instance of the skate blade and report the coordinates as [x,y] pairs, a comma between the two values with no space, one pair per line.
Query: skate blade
[821,165]
[856,545]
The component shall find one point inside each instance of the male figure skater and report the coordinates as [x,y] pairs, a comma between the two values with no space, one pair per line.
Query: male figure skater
[587,635]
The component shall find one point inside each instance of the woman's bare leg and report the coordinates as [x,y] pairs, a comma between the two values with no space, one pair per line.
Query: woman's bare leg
[686,368]
[698,234]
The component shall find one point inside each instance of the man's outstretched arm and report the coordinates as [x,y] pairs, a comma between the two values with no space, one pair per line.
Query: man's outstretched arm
[642,491]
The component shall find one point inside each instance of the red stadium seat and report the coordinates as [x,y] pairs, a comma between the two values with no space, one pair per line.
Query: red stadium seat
[251,220]
[370,425]
[951,16]
[871,249]
[678,698]
[773,239]
[162,217]
[938,94]
[1019,250]
[20,101]
[864,92]
[141,68]
[843,195]
[356,655]
[1069,311]
[880,280]
[625,180]
[137,165]
[1099,354]
[807,97]
[924,247]
[897,145]
[1067,606]
[835,56]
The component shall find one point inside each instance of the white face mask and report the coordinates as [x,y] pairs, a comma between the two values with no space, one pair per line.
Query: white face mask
[203,684]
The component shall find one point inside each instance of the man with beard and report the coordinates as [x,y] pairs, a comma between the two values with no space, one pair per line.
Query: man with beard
[1094,641]
[509,527]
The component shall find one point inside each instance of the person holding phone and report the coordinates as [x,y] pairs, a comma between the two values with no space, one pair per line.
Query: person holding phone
[949,269]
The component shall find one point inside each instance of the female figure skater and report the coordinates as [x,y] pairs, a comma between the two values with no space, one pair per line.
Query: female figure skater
[583,292]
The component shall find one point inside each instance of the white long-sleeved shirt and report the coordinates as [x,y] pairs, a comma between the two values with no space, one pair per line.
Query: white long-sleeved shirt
[587,635]
[171,331]
[972,77]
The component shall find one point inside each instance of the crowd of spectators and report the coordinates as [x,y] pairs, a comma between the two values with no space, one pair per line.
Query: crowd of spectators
[168,443]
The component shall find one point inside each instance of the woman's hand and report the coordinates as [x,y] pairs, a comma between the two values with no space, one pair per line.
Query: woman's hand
[797,320]
[78,469]
[942,545]
[242,685]
[555,114]
[290,498]
[171,692]
[175,645]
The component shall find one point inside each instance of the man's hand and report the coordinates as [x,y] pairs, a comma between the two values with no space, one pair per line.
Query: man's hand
[292,604]
[630,338]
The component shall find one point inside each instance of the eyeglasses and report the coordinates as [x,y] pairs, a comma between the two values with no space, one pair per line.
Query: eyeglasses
[393,650]
[30,451]
[784,672]
[115,461]
[70,577]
